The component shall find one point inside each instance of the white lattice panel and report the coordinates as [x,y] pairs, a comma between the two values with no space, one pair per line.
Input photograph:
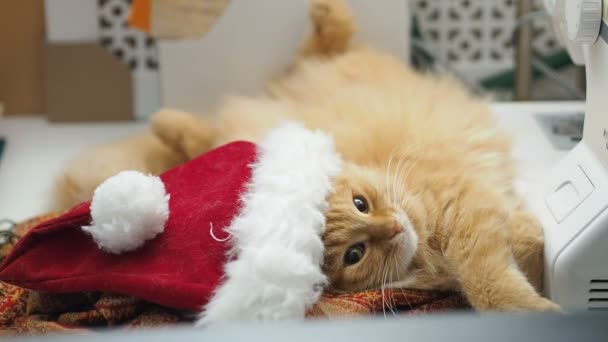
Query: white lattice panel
[135,49]
[475,36]
[132,46]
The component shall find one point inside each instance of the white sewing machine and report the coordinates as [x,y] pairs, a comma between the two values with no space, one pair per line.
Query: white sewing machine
[572,203]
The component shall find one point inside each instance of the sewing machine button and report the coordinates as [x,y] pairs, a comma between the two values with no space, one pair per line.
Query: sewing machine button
[568,194]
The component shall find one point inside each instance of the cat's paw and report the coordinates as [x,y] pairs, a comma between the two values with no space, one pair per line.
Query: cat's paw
[537,304]
[545,305]
[329,15]
[182,131]
[334,26]
[168,126]
[529,303]
[320,11]
[169,123]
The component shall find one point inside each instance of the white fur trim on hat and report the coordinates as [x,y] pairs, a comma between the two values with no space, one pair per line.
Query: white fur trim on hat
[128,209]
[277,252]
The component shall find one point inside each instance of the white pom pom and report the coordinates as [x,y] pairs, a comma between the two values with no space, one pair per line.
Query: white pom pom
[126,210]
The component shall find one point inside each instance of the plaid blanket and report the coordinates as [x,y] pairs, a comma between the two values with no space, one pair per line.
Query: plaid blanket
[25,312]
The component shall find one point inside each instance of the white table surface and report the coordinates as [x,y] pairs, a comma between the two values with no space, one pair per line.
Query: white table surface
[36,150]
[35,153]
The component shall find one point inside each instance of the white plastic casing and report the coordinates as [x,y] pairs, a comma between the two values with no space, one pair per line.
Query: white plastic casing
[583,20]
[556,9]
[576,244]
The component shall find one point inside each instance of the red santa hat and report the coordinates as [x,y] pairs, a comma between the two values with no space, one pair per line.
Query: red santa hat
[235,232]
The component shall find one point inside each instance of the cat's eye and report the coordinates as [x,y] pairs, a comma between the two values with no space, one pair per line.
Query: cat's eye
[354,254]
[361,204]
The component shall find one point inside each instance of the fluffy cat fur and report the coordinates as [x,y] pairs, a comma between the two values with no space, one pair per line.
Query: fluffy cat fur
[424,154]
[145,152]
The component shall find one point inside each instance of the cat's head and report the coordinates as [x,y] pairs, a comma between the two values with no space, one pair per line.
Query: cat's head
[369,238]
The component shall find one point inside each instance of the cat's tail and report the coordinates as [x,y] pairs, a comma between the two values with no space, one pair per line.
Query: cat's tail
[186,133]
[333,28]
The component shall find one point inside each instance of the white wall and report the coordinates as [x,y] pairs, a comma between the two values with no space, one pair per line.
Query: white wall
[71,21]
[254,40]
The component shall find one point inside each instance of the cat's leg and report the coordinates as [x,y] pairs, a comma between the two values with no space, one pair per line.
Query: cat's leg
[81,176]
[481,258]
[186,133]
[333,27]
[527,243]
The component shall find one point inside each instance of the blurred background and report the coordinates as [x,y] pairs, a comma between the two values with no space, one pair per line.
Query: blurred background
[81,60]
[503,47]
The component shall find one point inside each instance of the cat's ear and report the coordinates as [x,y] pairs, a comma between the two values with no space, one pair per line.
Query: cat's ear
[186,133]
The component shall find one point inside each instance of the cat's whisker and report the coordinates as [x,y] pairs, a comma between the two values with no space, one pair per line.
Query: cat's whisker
[396,260]
[382,292]
[397,171]
[392,269]
[405,297]
[385,301]
[388,169]
[393,297]
[385,279]
[403,178]
[401,183]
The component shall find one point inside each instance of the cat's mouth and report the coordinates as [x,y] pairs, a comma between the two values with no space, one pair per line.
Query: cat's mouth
[407,240]
[406,248]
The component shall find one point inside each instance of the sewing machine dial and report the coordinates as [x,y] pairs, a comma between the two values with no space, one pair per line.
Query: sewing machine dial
[583,20]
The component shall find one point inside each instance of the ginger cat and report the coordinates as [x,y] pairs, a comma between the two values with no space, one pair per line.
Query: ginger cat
[422,225]
[427,197]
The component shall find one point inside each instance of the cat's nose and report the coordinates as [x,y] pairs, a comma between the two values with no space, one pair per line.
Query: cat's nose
[397,229]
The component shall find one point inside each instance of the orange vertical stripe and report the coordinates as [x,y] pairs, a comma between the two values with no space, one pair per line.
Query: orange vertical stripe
[141,14]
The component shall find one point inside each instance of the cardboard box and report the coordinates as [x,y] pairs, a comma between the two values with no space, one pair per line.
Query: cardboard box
[21,47]
[97,67]
[84,82]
